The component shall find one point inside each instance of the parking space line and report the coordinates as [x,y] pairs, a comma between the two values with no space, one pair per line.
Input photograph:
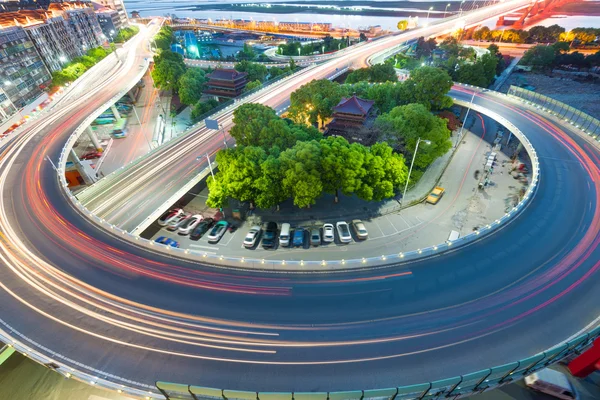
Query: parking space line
[391,223]
[204,247]
[378,227]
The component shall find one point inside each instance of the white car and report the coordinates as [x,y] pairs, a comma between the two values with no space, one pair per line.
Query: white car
[189,224]
[252,236]
[360,229]
[177,222]
[328,233]
[169,216]
[343,232]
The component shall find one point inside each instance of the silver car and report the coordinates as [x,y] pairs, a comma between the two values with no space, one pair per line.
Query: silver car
[328,233]
[360,229]
[252,236]
[343,232]
[189,224]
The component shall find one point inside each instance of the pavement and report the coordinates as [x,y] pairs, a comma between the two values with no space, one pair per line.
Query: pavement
[463,208]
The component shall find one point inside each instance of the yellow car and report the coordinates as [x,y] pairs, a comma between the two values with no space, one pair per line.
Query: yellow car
[435,195]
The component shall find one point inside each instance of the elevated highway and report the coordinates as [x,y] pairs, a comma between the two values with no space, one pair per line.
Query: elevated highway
[166,173]
[114,312]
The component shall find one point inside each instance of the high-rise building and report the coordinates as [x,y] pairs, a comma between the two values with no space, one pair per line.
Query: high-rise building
[83,22]
[23,74]
[119,7]
[109,20]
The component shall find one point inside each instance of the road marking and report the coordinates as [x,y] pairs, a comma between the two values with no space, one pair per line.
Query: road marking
[204,247]
[392,224]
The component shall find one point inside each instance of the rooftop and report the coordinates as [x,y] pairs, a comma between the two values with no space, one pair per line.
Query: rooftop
[226,74]
[353,105]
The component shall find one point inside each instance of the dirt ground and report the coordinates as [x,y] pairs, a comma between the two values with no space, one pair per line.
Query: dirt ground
[581,95]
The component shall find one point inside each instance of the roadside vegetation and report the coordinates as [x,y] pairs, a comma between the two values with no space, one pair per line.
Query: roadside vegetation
[77,67]
[125,34]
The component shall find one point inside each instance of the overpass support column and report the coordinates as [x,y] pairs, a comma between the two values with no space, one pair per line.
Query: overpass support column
[94,138]
[587,362]
[82,169]
[115,111]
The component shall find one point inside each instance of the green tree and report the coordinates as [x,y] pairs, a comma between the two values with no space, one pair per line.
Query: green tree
[191,84]
[375,73]
[342,165]
[166,75]
[385,172]
[255,71]
[405,124]
[164,38]
[252,85]
[269,186]
[249,120]
[472,74]
[428,86]
[201,108]
[315,101]
[301,166]
[489,62]
[247,53]
[97,53]
[170,56]
[539,56]
[293,65]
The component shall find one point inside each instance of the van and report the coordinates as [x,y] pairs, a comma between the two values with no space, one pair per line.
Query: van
[453,236]
[553,383]
[284,235]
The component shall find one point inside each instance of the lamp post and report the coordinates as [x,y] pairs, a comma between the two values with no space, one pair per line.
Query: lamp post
[428,142]
[428,11]
[446,9]
[460,135]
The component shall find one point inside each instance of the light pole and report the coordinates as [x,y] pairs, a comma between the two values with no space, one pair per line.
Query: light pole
[428,11]
[446,9]
[460,135]
[411,166]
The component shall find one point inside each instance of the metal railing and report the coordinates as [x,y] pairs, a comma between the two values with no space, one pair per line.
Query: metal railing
[455,387]
[577,118]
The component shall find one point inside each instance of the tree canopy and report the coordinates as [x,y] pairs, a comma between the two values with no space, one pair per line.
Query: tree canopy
[255,71]
[405,124]
[374,73]
[191,85]
[314,101]
[429,86]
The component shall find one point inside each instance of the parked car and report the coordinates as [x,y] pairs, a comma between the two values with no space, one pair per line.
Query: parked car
[167,241]
[92,155]
[202,228]
[343,232]
[360,229]
[252,236]
[268,241]
[328,233]
[315,237]
[435,195]
[176,222]
[298,240]
[189,224]
[284,235]
[218,231]
[169,216]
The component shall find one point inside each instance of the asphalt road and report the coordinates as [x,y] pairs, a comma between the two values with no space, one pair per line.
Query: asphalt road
[115,309]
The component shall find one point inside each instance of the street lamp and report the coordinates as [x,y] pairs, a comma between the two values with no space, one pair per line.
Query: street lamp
[428,11]
[62,59]
[299,50]
[427,142]
[465,120]
[446,10]
[323,49]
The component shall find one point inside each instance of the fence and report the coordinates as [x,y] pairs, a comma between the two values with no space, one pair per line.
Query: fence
[579,119]
[456,387]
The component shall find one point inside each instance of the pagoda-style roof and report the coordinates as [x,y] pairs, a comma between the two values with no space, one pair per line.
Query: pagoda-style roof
[226,74]
[354,105]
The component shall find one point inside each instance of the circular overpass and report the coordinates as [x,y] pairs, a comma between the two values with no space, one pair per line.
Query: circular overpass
[94,302]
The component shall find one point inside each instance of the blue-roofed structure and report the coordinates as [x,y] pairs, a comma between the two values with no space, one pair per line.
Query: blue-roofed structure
[190,42]
[176,48]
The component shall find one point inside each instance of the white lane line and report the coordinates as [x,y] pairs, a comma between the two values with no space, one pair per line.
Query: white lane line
[378,227]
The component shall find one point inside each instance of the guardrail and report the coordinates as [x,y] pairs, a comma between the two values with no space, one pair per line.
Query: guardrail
[577,118]
[455,387]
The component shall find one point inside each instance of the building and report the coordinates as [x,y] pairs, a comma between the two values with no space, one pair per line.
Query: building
[85,29]
[227,83]
[109,21]
[352,119]
[23,75]
[119,7]
[16,5]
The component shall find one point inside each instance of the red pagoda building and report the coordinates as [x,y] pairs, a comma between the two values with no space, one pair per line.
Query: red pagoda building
[227,83]
[352,119]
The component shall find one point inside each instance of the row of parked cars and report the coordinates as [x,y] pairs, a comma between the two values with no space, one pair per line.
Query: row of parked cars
[194,225]
[297,238]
